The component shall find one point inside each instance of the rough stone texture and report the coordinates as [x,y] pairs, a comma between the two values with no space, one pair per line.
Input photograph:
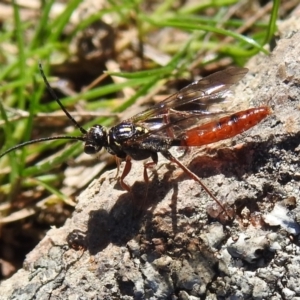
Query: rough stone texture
[159,243]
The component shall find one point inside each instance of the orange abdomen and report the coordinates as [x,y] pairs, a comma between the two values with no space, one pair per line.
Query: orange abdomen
[226,127]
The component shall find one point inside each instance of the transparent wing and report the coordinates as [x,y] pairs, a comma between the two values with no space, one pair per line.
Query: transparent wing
[196,104]
[202,94]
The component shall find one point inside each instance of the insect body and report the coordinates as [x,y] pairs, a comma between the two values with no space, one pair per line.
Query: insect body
[194,116]
[225,128]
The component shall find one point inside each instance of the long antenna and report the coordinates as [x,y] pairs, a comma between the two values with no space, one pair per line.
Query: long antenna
[52,93]
[51,138]
[60,137]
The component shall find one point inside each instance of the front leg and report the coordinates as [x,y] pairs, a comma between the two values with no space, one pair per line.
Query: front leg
[149,165]
[125,172]
[127,169]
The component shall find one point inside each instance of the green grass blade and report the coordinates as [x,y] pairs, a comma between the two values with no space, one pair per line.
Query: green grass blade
[272,23]
[62,20]
[42,26]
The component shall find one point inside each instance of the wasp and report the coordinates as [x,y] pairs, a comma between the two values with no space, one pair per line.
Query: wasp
[194,116]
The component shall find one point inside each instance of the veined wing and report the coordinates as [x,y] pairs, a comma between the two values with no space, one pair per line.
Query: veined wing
[201,96]
[198,103]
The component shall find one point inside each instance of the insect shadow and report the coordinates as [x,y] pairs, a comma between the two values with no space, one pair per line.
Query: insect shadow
[129,214]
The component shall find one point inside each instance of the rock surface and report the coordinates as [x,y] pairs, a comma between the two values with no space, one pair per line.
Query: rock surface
[159,243]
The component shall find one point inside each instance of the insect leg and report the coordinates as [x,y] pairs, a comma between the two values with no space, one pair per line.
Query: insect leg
[192,175]
[170,132]
[150,165]
[118,162]
[125,172]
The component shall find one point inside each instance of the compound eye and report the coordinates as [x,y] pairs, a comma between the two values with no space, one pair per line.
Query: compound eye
[95,138]
[91,148]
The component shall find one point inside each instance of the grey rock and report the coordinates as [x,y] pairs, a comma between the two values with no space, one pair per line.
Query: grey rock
[248,248]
